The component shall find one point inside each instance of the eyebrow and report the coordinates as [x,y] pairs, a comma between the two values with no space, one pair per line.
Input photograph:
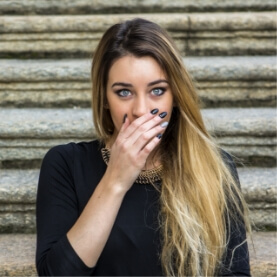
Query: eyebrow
[157,82]
[130,85]
[122,84]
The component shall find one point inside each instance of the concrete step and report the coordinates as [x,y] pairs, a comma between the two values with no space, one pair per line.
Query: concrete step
[17,254]
[196,34]
[263,259]
[247,133]
[18,190]
[221,82]
[26,134]
[259,189]
[122,6]
[18,196]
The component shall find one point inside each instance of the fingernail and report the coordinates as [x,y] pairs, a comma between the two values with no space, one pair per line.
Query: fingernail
[163,114]
[154,111]
[159,136]
[124,118]
[164,124]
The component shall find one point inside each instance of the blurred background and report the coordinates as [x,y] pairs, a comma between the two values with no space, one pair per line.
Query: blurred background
[46,47]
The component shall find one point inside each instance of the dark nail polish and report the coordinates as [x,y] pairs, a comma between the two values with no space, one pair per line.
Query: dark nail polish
[124,118]
[163,114]
[154,111]
[159,136]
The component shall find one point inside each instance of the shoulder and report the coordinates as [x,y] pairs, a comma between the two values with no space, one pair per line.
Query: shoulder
[67,153]
[231,166]
[72,148]
[227,158]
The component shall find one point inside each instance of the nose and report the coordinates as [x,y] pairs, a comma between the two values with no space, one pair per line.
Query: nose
[140,106]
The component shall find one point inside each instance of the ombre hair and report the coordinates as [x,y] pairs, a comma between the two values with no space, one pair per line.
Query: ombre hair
[199,197]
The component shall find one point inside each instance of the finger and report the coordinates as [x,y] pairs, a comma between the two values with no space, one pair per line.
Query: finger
[127,132]
[125,123]
[149,147]
[143,139]
[141,131]
[139,121]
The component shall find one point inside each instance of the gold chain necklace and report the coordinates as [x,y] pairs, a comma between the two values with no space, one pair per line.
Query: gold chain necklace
[145,177]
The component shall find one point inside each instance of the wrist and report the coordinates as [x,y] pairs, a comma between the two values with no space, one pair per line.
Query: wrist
[116,188]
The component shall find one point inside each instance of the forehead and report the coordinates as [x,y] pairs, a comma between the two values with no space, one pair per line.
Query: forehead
[131,67]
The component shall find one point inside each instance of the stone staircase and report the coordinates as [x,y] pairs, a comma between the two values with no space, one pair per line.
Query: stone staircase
[45,51]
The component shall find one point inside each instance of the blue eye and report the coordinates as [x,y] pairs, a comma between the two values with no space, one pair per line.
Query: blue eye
[158,91]
[123,93]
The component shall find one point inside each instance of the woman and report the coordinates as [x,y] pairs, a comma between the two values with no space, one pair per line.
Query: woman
[154,195]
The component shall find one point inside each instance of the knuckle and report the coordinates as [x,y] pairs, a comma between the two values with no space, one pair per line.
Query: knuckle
[135,124]
[157,119]
[124,147]
[158,128]
[142,128]
[148,149]
[145,136]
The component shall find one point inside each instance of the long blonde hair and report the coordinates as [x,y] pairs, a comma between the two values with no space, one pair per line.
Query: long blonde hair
[199,196]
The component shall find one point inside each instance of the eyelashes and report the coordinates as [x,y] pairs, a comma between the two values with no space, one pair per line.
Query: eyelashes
[158,91]
[123,93]
[126,93]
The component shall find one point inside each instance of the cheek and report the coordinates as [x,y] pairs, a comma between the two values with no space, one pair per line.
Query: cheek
[113,109]
[169,108]
[167,105]
[117,115]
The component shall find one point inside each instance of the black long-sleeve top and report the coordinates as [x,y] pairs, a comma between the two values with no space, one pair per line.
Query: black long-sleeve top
[69,174]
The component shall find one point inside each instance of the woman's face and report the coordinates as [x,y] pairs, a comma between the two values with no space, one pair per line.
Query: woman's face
[135,87]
